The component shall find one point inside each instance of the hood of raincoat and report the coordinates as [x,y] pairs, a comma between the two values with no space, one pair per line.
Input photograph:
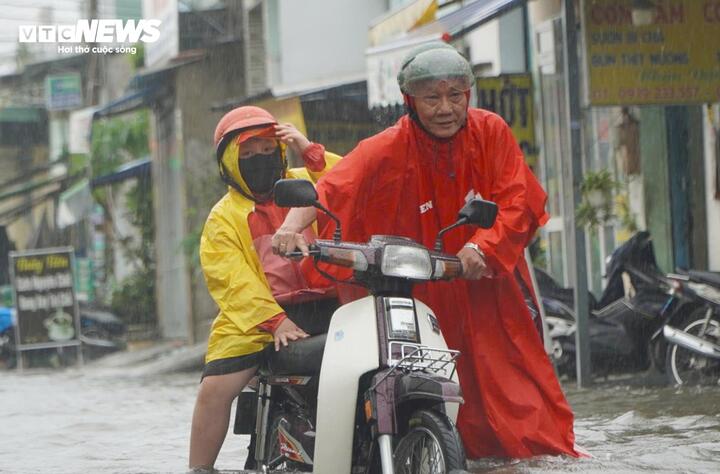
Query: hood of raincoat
[229,163]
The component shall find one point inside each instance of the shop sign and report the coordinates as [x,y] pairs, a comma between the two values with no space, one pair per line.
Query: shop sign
[45,304]
[63,91]
[511,97]
[673,60]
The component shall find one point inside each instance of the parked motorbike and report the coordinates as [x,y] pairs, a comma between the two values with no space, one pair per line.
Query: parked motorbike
[624,324]
[693,329]
[7,336]
[100,332]
[378,393]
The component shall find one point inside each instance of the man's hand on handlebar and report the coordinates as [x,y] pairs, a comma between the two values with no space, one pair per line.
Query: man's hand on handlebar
[474,265]
[287,240]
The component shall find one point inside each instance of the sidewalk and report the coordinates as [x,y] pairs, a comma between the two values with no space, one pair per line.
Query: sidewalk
[160,357]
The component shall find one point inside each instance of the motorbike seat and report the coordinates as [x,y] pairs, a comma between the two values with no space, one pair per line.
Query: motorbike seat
[301,357]
[710,278]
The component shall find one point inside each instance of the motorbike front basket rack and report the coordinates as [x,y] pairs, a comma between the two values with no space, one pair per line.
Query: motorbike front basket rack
[416,357]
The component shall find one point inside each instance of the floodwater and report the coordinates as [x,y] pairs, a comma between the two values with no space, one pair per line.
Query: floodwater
[104,420]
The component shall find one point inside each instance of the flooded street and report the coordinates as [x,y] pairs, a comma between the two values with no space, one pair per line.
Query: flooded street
[119,421]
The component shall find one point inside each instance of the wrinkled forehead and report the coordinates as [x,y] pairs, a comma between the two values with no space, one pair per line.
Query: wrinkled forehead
[439,86]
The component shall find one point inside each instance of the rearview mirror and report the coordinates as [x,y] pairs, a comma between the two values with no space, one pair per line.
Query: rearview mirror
[479,212]
[295,193]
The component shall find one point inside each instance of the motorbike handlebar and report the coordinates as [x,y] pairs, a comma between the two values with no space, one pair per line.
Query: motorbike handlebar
[312,250]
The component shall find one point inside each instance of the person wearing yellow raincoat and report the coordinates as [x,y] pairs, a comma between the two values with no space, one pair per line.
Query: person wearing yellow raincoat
[254,289]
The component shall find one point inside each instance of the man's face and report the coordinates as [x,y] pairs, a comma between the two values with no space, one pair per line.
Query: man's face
[441,107]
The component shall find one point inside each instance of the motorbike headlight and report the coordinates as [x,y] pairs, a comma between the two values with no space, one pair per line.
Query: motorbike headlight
[406,262]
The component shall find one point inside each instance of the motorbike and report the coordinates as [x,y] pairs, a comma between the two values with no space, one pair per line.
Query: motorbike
[625,324]
[692,330]
[379,392]
[7,336]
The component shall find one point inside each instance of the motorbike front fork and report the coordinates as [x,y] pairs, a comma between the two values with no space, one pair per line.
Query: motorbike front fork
[261,423]
[706,321]
[386,453]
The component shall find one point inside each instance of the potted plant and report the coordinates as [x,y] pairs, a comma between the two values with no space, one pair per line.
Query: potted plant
[597,190]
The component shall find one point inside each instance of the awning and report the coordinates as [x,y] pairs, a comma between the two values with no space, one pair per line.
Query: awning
[52,189]
[383,61]
[146,86]
[132,169]
[22,114]
[286,92]
[285,103]
[466,19]
[22,189]
[401,20]
[127,103]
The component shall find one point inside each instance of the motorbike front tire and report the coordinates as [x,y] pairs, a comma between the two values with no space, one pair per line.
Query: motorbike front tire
[685,367]
[431,444]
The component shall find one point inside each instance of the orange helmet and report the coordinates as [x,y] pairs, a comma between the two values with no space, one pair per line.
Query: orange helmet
[242,117]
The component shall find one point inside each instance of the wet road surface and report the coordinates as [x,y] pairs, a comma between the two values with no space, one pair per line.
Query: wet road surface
[115,421]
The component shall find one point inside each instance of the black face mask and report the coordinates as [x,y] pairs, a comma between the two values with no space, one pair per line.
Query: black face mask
[260,172]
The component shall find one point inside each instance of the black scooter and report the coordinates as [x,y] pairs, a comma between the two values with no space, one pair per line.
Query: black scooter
[625,323]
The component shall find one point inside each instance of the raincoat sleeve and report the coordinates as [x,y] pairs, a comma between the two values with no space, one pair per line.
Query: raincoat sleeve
[329,161]
[345,191]
[520,199]
[236,286]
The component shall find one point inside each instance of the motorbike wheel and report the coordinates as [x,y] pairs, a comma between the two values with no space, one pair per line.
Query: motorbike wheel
[685,367]
[431,445]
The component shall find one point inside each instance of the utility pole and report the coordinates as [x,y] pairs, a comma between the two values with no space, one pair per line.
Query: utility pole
[94,67]
[577,248]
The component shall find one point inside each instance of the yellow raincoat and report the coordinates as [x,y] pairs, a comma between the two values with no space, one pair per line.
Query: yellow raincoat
[234,275]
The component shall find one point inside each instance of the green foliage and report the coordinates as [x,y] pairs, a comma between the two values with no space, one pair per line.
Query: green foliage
[78,163]
[191,246]
[138,59]
[116,141]
[134,300]
[598,207]
[602,181]
[597,190]
[6,296]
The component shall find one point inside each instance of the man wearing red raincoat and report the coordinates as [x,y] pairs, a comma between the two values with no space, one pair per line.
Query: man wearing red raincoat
[411,180]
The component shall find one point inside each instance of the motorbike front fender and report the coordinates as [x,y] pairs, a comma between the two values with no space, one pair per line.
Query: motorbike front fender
[422,387]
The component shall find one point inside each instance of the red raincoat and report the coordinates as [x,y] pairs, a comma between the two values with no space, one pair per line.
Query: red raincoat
[405,182]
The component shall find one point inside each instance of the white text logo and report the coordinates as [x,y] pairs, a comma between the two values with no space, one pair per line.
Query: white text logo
[92,31]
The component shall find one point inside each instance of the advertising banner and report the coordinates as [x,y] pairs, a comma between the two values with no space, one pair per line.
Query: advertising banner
[510,96]
[45,304]
[675,59]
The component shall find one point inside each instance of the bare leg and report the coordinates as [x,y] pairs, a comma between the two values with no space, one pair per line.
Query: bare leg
[212,415]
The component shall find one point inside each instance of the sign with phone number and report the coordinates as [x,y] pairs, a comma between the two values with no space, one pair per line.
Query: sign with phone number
[673,60]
